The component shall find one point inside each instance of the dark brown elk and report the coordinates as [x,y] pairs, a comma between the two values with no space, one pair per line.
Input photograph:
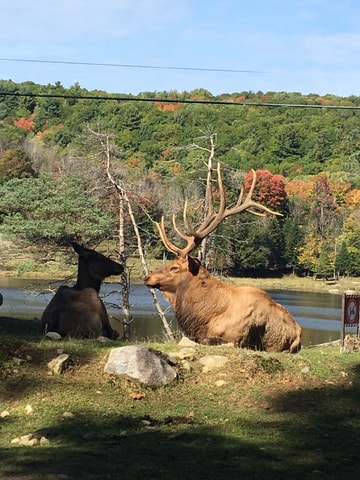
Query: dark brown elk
[78,311]
[210,311]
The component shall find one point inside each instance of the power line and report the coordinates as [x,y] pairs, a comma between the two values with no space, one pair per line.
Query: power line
[127,65]
[179,101]
[174,67]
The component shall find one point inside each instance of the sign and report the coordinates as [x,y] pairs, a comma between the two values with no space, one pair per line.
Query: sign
[350,313]
[351,310]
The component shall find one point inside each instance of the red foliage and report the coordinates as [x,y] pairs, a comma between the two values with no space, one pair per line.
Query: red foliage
[269,189]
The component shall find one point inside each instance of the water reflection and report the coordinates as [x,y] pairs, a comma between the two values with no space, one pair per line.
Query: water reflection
[318,313]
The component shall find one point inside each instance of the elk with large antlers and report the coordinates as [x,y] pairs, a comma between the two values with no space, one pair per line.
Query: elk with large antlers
[210,311]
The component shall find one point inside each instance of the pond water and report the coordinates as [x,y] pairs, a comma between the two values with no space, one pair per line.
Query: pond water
[318,313]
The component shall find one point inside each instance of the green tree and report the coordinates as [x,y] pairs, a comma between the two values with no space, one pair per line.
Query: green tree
[324,266]
[343,260]
[46,210]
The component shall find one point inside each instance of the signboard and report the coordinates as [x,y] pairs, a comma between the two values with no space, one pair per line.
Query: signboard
[350,313]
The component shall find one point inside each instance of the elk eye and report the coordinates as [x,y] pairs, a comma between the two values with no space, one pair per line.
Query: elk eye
[174,268]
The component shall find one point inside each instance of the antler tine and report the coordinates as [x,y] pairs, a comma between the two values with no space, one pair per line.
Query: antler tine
[181,252]
[212,219]
[164,238]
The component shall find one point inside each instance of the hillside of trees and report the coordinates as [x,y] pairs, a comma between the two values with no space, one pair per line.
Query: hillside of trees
[56,145]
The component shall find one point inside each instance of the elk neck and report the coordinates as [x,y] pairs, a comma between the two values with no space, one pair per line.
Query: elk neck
[85,278]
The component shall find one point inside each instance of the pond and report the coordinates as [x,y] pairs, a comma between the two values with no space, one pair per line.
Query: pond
[318,313]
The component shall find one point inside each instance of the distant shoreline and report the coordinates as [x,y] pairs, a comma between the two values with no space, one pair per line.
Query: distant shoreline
[287,282]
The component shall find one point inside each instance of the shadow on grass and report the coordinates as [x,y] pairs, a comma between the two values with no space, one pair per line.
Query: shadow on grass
[101,450]
[22,343]
[304,434]
[20,328]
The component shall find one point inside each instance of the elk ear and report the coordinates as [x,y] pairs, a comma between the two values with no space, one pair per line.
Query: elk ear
[194,265]
[80,250]
[76,247]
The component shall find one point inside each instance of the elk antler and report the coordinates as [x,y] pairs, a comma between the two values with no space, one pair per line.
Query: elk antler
[212,219]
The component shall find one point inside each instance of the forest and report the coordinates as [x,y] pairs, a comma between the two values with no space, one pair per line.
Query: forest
[63,151]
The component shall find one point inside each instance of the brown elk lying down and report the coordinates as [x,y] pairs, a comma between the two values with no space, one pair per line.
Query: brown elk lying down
[210,311]
[78,311]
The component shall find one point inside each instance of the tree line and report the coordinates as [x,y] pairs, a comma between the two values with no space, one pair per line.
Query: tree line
[54,186]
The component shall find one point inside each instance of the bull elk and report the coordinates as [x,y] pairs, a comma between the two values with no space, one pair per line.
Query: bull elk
[210,311]
[78,311]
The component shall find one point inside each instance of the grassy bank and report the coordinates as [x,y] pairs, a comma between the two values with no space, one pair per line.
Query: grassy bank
[262,416]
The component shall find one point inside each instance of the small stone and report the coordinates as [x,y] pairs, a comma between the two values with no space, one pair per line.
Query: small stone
[68,415]
[186,342]
[103,339]
[44,441]
[4,414]
[220,383]
[33,442]
[211,362]
[29,410]
[59,364]
[18,361]
[53,336]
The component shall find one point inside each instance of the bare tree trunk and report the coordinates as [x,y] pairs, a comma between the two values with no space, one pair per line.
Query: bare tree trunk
[125,280]
[208,197]
[168,332]
[125,276]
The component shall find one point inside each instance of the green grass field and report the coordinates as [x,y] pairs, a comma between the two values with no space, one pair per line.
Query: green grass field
[272,416]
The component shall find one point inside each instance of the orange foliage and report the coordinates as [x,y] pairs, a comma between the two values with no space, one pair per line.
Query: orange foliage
[298,188]
[175,169]
[352,198]
[168,107]
[26,124]
[133,162]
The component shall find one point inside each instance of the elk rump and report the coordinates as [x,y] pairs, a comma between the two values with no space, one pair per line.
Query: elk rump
[211,312]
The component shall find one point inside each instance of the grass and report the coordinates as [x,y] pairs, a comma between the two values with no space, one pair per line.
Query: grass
[276,416]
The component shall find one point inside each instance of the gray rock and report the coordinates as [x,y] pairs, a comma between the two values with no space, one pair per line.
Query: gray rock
[138,363]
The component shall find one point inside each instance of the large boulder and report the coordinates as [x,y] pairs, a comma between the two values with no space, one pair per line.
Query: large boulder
[138,363]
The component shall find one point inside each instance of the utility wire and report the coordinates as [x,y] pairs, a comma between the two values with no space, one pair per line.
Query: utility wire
[181,101]
[173,67]
[126,65]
